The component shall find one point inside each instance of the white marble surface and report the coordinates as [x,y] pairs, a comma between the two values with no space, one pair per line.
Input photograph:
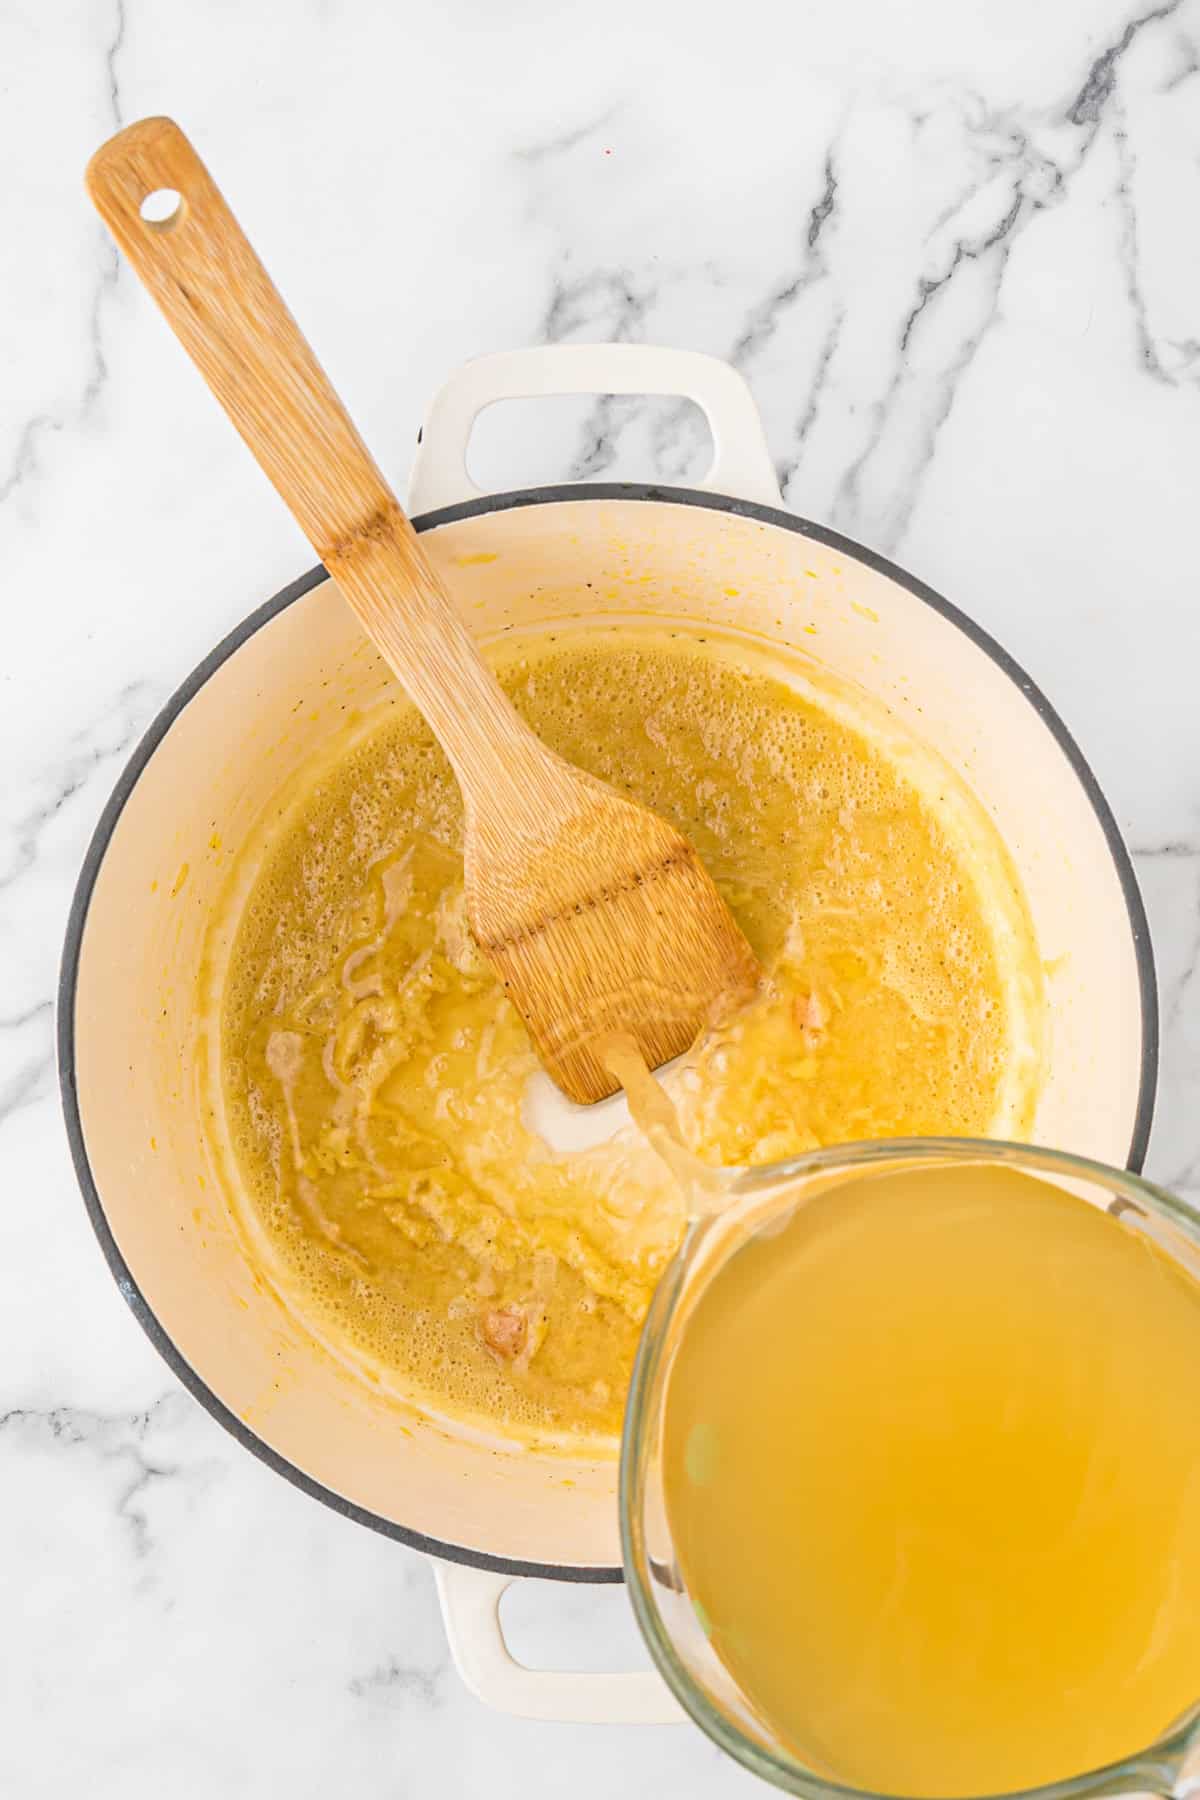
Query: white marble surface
[952,245]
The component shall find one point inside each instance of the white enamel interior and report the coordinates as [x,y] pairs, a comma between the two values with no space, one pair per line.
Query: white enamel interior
[272,702]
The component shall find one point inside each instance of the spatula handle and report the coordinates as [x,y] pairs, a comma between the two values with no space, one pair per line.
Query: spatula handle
[229,317]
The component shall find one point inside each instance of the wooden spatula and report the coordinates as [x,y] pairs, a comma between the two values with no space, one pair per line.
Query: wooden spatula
[597,916]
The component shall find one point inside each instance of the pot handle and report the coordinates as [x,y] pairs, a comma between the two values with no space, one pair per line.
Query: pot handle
[741,463]
[470,1600]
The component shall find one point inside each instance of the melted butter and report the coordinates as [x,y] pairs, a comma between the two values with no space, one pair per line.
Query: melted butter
[372,1071]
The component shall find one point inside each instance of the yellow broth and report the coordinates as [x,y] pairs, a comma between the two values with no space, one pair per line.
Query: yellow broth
[931,1468]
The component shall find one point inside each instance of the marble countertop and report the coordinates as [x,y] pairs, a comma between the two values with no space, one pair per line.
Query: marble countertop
[952,248]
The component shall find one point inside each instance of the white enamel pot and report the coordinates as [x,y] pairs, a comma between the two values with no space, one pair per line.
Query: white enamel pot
[265,699]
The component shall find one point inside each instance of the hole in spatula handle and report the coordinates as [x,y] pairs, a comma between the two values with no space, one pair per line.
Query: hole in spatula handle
[162,208]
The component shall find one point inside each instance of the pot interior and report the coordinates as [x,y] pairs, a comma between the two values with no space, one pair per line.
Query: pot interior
[271,703]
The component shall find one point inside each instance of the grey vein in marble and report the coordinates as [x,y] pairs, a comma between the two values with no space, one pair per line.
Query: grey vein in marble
[613,306]
[122,1442]
[26,1039]
[1175,361]
[1101,78]
[89,751]
[394,1678]
[764,320]
[1037,178]
[609,305]
[26,456]
[1187,63]
[1171,848]
[990,251]
[26,1076]
[40,425]
[115,46]
[568,140]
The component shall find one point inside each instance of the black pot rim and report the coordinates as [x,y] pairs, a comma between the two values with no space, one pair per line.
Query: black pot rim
[97,849]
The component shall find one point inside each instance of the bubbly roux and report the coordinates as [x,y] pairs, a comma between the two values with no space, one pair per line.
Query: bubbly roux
[373,1074]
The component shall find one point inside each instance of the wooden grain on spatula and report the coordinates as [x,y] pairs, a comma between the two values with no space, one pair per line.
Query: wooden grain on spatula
[596,914]
[599,918]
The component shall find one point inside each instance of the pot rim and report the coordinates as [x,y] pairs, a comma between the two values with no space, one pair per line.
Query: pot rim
[241,633]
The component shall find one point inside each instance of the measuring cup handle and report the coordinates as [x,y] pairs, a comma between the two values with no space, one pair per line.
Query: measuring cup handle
[741,464]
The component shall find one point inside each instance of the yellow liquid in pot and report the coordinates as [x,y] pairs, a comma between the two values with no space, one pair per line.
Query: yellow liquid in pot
[932,1470]
[374,1075]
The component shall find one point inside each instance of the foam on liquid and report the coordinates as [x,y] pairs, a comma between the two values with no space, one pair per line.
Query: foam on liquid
[373,1074]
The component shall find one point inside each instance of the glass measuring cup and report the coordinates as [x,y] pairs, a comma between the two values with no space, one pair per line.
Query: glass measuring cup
[760,1201]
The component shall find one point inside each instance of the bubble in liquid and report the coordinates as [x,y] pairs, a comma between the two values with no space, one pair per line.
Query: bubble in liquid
[768,756]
